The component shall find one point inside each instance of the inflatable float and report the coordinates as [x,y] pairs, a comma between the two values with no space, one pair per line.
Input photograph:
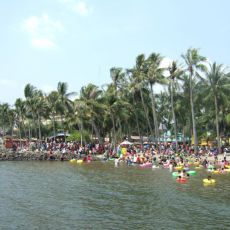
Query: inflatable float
[146,165]
[181,180]
[191,172]
[73,161]
[207,181]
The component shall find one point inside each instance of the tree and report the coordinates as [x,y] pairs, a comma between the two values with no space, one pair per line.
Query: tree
[4,110]
[52,103]
[195,63]
[174,74]
[154,75]
[20,109]
[29,92]
[137,76]
[90,98]
[66,103]
[216,87]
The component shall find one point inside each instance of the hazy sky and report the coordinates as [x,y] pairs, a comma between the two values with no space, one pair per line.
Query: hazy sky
[43,42]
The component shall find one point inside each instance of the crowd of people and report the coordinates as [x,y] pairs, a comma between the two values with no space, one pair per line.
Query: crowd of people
[133,153]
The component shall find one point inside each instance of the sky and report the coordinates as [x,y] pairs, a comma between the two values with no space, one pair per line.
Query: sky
[44,42]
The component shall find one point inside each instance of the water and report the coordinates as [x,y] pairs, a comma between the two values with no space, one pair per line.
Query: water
[60,195]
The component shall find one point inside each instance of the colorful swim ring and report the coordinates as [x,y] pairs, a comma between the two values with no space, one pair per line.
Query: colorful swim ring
[227,170]
[215,171]
[207,181]
[79,161]
[166,166]
[178,168]
[175,174]
[210,167]
[155,167]
[227,166]
[146,165]
[191,172]
[181,180]
[199,167]
[73,161]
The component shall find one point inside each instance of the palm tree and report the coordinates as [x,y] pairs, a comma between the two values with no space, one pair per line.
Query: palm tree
[29,92]
[53,102]
[154,75]
[216,87]
[66,103]
[174,74]
[11,115]
[20,109]
[182,103]
[90,97]
[137,76]
[77,117]
[133,90]
[195,63]
[5,107]
[39,106]
[117,77]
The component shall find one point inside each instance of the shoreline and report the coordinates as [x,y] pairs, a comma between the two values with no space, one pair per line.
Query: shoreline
[6,155]
[9,155]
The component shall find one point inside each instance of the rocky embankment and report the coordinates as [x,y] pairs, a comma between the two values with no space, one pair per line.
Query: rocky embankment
[9,155]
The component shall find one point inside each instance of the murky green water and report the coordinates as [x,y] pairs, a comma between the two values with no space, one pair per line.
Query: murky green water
[60,195]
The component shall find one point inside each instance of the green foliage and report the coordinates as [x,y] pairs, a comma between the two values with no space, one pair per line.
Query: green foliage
[76,136]
[130,104]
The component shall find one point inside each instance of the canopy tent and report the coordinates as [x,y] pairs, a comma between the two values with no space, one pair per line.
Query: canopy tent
[126,143]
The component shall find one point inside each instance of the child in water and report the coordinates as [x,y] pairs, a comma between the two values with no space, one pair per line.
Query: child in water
[209,177]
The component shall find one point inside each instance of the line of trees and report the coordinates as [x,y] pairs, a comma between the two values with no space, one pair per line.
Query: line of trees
[195,102]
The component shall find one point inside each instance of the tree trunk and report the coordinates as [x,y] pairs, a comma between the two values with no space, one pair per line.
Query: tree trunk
[156,127]
[137,122]
[35,130]
[12,129]
[173,114]
[193,116]
[3,127]
[183,134]
[29,132]
[146,114]
[39,128]
[114,130]
[20,135]
[62,123]
[120,128]
[217,126]
[54,128]
[96,131]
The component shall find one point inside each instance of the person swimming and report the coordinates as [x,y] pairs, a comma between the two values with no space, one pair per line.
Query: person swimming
[209,177]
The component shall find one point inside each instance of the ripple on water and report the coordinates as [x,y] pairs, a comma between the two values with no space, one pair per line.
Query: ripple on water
[59,195]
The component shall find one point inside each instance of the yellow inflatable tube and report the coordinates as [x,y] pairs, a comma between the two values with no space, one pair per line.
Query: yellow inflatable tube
[207,181]
[73,161]
[178,168]
[199,167]
[216,172]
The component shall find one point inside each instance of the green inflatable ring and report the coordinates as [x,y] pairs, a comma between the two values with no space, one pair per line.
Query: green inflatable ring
[175,174]
[191,172]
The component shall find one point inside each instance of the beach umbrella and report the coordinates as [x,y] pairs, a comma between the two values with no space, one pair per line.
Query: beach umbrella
[126,143]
